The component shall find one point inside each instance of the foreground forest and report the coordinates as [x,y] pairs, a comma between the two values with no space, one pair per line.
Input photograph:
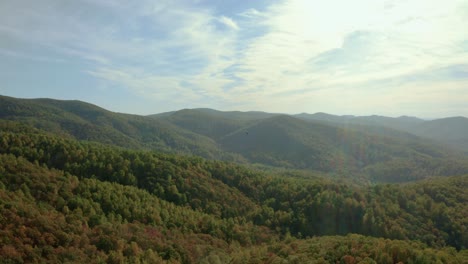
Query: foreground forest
[64,200]
[79,184]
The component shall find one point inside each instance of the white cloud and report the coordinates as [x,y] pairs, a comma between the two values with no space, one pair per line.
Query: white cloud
[291,56]
[19,55]
[228,22]
[251,13]
[401,38]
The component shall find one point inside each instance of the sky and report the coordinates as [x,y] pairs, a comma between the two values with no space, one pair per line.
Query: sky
[361,57]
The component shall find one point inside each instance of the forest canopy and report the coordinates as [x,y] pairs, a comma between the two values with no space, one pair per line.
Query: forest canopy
[68,194]
[65,200]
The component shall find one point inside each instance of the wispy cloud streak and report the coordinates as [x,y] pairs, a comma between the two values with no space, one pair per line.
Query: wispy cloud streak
[293,55]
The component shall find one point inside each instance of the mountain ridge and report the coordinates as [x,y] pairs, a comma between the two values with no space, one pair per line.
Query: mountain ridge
[452,131]
[277,140]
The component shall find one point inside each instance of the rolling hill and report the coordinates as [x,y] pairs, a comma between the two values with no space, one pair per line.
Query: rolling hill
[211,123]
[85,121]
[71,201]
[376,153]
[452,131]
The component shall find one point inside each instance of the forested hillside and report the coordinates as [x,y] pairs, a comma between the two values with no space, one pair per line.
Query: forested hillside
[65,200]
[212,123]
[51,216]
[83,121]
[361,153]
[288,142]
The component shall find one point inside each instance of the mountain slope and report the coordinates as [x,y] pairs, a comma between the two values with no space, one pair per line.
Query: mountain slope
[231,115]
[219,201]
[211,123]
[452,131]
[88,122]
[360,151]
[52,217]
[290,142]
[285,141]
[282,141]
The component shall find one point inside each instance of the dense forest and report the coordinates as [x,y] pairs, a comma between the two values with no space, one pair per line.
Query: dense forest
[68,200]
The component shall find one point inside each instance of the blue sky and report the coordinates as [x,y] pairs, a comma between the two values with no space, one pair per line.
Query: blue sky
[362,57]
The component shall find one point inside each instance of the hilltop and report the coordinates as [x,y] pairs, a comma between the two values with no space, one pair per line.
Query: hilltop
[370,149]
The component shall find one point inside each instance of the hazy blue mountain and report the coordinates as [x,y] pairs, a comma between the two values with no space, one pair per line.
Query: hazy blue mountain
[383,154]
[324,117]
[232,115]
[400,123]
[452,131]
[212,123]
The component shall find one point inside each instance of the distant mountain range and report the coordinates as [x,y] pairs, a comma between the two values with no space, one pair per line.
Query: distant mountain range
[451,130]
[380,148]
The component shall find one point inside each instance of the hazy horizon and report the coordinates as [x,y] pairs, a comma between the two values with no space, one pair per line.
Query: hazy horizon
[244,111]
[387,57]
